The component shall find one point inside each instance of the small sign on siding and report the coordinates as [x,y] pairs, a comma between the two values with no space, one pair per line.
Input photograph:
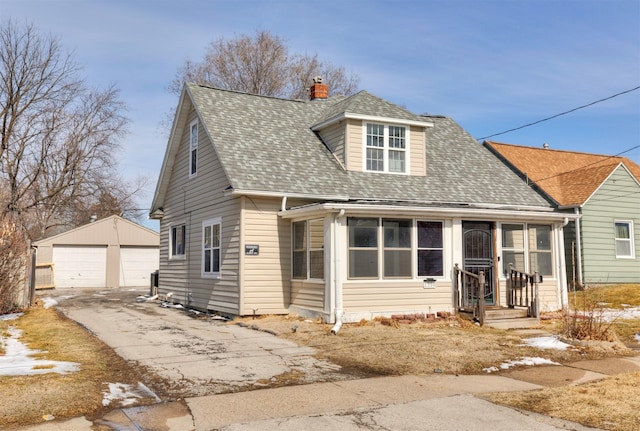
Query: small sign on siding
[251,249]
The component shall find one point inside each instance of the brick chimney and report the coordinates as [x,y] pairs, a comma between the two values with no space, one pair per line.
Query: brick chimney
[318,89]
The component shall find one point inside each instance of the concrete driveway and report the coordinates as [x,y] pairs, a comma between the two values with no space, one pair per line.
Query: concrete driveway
[195,354]
[199,358]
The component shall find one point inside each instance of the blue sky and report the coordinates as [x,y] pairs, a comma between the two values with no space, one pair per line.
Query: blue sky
[490,65]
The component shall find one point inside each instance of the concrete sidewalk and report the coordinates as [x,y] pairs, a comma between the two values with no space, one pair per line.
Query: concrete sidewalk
[443,402]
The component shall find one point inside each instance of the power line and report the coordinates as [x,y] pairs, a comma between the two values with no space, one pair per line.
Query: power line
[560,114]
[589,164]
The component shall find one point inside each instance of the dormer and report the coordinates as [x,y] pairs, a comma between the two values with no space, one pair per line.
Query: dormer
[369,134]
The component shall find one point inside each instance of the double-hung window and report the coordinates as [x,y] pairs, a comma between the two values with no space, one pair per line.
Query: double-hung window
[527,248]
[624,239]
[308,249]
[430,249]
[193,148]
[211,242]
[397,248]
[177,240]
[363,247]
[386,148]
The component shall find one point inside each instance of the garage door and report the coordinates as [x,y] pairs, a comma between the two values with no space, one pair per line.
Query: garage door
[76,266]
[136,265]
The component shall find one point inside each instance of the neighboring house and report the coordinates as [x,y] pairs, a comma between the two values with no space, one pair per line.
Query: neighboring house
[605,191]
[339,208]
[111,252]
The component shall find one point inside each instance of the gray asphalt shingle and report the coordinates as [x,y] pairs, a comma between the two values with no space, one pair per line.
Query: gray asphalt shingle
[266,144]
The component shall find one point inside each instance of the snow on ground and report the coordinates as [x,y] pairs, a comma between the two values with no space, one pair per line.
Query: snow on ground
[18,360]
[12,316]
[49,302]
[126,394]
[546,342]
[524,361]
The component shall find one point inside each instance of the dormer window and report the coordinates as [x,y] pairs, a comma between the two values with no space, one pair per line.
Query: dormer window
[386,148]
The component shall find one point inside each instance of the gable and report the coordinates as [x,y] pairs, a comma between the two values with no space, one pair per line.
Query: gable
[568,177]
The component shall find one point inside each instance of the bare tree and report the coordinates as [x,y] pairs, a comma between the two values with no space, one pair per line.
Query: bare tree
[57,137]
[262,64]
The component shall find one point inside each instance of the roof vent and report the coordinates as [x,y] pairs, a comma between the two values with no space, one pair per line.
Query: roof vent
[545,146]
[318,89]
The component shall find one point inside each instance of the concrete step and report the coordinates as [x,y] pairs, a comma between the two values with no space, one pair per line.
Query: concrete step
[506,313]
[521,323]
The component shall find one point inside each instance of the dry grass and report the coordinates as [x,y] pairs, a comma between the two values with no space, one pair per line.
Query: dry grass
[610,404]
[450,347]
[26,399]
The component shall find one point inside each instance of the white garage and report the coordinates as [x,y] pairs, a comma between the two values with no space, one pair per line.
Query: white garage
[78,266]
[110,252]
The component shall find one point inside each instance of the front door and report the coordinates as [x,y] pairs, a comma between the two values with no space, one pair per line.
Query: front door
[478,254]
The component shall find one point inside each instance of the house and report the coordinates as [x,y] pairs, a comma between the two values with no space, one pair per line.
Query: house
[604,242]
[342,208]
[110,252]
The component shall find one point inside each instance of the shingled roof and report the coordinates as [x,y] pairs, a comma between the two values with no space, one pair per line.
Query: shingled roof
[568,177]
[268,145]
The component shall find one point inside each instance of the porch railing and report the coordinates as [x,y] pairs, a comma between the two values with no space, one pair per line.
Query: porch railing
[469,292]
[522,291]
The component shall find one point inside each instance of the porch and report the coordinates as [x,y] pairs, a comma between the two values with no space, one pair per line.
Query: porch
[473,296]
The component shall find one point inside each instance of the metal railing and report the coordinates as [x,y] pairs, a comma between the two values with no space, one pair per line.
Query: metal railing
[522,291]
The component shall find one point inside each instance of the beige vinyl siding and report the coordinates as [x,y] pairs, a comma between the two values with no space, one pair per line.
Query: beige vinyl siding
[309,295]
[191,201]
[617,199]
[354,145]
[333,137]
[417,151]
[400,296]
[265,277]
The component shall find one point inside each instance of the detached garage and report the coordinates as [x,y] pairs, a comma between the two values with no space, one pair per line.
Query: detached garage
[112,252]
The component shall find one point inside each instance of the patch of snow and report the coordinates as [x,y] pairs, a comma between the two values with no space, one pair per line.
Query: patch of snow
[527,361]
[18,360]
[49,302]
[637,337]
[523,361]
[126,394]
[168,305]
[11,316]
[547,342]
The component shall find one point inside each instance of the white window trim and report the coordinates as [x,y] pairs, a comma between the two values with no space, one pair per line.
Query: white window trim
[527,250]
[193,147]
[414,251]
[632,245]
[211,222]
[386,148]
[182,256]
[416,248]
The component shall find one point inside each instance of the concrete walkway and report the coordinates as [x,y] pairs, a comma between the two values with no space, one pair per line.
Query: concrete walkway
[442,402]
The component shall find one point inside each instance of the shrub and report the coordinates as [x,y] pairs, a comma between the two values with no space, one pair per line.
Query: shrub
[13,264]
[587,319]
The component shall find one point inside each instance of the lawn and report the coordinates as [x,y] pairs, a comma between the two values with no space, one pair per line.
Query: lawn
[367,348]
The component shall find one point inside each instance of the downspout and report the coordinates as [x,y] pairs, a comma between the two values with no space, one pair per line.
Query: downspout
[576,210]
[564,293]
[337,280]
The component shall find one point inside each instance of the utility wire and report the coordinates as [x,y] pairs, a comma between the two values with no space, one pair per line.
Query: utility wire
[587,165]
[560,114]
